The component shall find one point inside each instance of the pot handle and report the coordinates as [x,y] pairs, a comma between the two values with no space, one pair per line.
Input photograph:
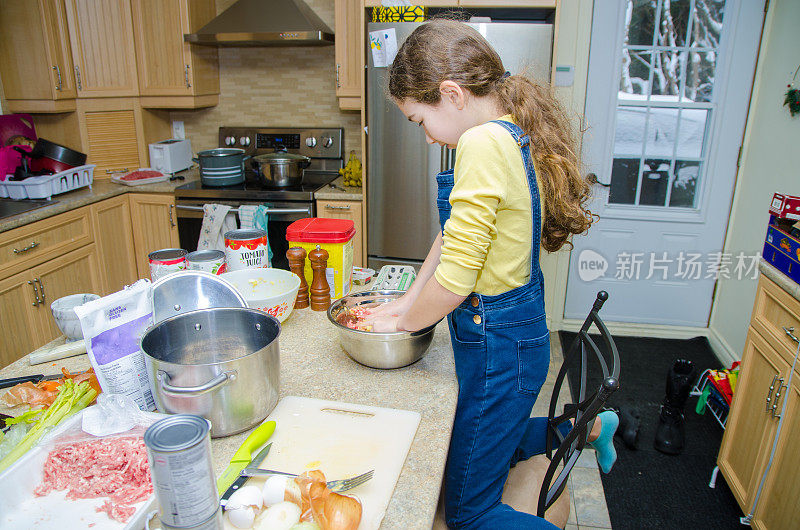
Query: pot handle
[220,380]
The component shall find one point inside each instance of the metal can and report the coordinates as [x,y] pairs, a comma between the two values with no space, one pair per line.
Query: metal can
[212,261]
[179,452]
[246,249]
[166,261]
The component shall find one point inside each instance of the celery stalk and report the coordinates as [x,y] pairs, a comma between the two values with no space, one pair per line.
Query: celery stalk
[71,398]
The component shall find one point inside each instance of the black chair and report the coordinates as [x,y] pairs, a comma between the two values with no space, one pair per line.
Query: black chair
[583,410]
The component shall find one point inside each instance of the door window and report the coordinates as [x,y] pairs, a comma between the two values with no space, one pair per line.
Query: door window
[665,102]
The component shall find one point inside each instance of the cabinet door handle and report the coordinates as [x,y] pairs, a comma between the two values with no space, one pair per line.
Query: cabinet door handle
[58,77]
[332,207]
[781,387]
[119,170]
[790,331]
[337,76]
[186,76]
[36,301]
[33,245]
[41,288]
[78,77]
[769,393]
[171,217]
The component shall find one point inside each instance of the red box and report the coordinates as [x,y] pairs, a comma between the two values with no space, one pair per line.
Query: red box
[785,206]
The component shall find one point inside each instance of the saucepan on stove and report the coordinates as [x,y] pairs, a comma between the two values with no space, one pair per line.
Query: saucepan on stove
[281,168]
[219,363]
[222,166]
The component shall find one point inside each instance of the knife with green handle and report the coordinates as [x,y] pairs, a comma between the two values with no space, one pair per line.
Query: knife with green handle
[244,455]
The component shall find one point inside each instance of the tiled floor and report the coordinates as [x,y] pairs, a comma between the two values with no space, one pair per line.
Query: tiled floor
[588,509]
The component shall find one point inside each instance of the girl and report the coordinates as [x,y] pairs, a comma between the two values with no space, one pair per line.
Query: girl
[516,187]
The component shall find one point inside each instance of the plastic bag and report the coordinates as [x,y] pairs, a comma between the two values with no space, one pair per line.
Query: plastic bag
[112,327]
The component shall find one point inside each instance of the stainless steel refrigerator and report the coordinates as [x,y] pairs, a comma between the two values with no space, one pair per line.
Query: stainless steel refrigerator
[402,167]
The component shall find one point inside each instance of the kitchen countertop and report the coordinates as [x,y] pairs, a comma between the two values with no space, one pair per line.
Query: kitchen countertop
[783,281]
[314,365]
[350,193]
[100,190]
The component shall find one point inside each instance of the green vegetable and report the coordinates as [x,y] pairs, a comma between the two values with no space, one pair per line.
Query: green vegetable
[71,399]
[27,417]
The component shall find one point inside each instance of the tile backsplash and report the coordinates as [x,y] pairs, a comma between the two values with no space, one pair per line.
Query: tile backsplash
[274,87]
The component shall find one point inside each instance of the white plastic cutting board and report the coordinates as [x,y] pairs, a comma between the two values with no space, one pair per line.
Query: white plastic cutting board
[342,440]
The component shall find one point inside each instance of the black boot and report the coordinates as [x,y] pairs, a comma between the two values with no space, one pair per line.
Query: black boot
[628,430]
[670,433]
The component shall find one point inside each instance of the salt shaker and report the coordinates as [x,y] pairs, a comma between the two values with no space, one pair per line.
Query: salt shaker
[297,262]
[320,290]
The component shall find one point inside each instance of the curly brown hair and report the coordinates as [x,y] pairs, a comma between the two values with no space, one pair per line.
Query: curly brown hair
[444,49]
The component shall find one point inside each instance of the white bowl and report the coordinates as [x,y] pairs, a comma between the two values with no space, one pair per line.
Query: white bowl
[64,314]
[270,290]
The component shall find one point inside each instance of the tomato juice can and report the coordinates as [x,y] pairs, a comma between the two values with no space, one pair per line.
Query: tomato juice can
[166,261]
[179,454]
[211,261]
[246,249]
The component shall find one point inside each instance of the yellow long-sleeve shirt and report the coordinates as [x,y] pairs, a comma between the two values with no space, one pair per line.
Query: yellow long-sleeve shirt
[486,246]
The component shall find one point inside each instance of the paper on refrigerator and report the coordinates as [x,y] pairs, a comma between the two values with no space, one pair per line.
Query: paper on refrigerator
[383,44]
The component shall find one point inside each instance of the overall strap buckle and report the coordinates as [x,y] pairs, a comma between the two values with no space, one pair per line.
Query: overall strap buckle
[523,141]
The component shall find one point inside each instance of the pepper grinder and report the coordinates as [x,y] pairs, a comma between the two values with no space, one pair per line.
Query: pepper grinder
[320,290]
[297,262]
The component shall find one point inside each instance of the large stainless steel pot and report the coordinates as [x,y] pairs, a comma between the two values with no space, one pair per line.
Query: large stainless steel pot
[378,350]
[220,363]
[281,168]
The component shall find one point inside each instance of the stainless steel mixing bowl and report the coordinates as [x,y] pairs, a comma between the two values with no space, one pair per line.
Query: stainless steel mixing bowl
[378,350]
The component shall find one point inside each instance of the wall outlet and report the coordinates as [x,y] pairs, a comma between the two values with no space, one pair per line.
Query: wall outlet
[177,130]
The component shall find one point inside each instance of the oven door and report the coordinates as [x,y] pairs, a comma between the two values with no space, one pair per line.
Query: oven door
[279,216]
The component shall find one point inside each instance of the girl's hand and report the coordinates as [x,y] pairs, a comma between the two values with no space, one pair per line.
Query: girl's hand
[395,308]
[383,324]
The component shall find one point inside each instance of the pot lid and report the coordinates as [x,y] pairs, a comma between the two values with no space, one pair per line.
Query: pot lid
[221,151]
[185,291]
[281,156]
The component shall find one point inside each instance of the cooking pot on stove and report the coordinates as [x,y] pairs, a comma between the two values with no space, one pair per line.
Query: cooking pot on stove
[221,166]
[219,363]
[281,168]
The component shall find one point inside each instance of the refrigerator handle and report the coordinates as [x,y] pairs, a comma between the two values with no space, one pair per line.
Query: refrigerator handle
[447,158]
[443,159]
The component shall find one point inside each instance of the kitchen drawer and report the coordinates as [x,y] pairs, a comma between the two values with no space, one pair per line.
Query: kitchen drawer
[29,245]
[775,309]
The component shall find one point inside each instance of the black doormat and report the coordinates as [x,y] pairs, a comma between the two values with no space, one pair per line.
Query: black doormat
[646,488]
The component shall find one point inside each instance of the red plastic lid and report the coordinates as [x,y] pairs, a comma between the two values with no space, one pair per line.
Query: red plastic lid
[319,230]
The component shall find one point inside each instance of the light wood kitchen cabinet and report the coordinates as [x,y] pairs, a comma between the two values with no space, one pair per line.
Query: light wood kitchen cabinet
[352,211]
[25,299]
[73,273]
[101,38]
[34,243]
[752,426]
[18,337]
[349,21]
[114,241]
[154,227]
[35,57]
[173,73]
[782,488]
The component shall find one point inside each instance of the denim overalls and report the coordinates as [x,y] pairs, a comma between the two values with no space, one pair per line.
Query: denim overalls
[502,352]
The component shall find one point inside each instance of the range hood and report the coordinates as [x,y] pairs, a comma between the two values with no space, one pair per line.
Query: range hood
[264,23]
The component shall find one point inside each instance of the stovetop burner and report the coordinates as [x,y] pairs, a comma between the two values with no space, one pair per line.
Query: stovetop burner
[252,189]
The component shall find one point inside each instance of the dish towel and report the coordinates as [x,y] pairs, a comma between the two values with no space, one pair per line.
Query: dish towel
[255,216]
[217,219]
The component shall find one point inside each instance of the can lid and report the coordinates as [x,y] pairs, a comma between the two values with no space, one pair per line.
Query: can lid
[245,234]
[177,432]
[205,255]
[321,230]
[166,254]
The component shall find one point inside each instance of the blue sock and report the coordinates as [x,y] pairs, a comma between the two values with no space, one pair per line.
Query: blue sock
[604,445]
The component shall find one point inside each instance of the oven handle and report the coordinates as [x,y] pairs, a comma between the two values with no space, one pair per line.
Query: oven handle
[236,210]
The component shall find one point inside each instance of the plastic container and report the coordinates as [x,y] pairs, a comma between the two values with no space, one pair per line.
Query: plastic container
[334,236]
[46,186]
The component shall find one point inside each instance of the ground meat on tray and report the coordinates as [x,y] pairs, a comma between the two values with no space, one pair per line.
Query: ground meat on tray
[116,468]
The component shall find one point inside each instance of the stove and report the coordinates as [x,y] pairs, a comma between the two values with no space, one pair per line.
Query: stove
[284,205]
